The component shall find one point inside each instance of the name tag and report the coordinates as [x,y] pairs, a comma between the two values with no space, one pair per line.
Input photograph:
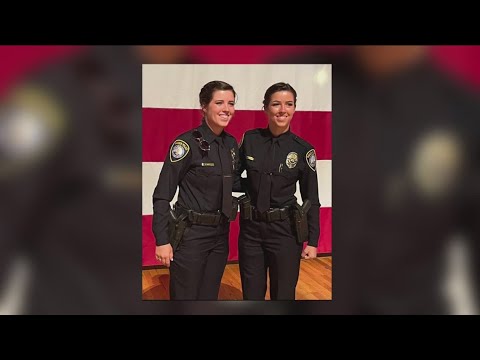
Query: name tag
[208,164]
[250,158]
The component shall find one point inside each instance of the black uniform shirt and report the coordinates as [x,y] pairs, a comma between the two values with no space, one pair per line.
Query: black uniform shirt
[198,174]
[288,159]
[388,216]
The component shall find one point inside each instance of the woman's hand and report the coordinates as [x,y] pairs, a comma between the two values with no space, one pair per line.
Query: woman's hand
[164,254]
[310,252]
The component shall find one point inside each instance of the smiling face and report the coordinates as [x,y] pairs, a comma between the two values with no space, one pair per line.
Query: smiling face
[280,110]
[219,111]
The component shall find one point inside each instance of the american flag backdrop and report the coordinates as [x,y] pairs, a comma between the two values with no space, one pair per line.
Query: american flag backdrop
[171,106]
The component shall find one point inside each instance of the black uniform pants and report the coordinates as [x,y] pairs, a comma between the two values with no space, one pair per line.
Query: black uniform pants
[199,262]
[268,246]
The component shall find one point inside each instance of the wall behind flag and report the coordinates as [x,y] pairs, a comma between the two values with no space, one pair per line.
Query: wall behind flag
[171,107]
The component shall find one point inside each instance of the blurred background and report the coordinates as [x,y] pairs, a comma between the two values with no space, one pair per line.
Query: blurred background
[405,234]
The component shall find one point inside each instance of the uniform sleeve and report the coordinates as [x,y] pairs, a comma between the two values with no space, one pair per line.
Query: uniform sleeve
[475,256]
[470,196]
[175,167]
[474,196]
[239,184]
[471,224]
[475,235]
[309,190]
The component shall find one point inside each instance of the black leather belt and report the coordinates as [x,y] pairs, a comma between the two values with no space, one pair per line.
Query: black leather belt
[196,218]
[272,215]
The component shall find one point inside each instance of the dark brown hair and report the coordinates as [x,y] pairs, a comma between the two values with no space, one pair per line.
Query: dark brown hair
[281,86]
[209,88]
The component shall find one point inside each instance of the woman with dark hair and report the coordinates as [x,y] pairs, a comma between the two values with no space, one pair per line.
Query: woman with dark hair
[192,239]
[273,227]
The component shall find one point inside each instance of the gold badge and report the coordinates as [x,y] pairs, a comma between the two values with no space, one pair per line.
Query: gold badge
[251,158]
[311,159]
[292,160]
[179,150]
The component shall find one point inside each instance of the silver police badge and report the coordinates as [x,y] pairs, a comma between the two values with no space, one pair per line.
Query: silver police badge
[311,159]
[179,150]
[292,160]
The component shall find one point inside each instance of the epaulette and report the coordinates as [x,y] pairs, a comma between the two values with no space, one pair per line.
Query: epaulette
[228,134]
[230,138]
[248,132]
[253,131]
[186,136]
[302,142]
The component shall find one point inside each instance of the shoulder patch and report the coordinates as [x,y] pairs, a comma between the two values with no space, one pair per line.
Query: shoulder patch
[179,150]
[33,121]
[436,163]
[311,158]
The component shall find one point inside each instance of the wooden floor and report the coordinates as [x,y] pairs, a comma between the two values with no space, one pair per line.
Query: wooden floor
[314,283]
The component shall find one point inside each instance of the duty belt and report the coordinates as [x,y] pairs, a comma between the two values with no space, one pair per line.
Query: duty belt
[196,218]
[272,215]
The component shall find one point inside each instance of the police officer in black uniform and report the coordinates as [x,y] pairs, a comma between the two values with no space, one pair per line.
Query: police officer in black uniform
[405,140]
[201,163]
[275,159]
[71,189]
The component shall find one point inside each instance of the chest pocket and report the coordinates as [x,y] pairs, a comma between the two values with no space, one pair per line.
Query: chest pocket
[288,173]
[251,165]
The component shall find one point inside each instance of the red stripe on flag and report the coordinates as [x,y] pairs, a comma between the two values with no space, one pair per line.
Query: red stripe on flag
[17,61]
[148,242]
[148,239]
[162,126]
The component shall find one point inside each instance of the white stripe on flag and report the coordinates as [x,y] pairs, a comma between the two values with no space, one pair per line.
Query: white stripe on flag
[324,176]
[150,173]
[178,86]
